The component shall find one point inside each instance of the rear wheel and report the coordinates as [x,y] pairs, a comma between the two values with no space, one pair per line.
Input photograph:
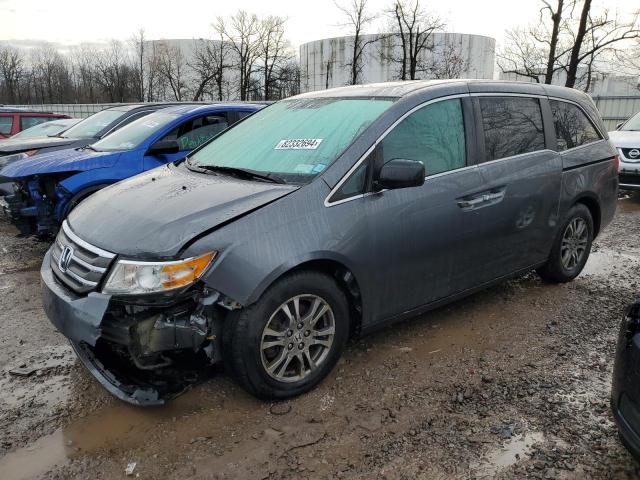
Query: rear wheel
[571,247]
[289,340]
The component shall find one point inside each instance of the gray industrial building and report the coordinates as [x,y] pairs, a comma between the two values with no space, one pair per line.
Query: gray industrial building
[326,63]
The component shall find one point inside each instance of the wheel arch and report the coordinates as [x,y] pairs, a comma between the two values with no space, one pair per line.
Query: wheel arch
[332,266]
[590,201]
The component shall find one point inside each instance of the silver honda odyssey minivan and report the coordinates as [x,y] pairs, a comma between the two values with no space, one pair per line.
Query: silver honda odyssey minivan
[322,217]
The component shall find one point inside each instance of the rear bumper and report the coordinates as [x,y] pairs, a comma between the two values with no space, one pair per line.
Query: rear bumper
[625,391]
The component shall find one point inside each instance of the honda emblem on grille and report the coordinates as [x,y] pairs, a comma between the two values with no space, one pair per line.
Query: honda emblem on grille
[65,258]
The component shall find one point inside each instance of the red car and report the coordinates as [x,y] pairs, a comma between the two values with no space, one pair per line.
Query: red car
[13,120]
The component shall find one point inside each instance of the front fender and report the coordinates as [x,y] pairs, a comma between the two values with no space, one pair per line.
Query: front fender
[252,292]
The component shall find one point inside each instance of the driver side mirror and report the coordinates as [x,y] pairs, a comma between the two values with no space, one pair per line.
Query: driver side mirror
[400,173]
[164,147]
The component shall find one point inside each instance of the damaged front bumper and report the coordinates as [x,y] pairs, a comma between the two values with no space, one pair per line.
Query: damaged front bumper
[143,355]
[36,205]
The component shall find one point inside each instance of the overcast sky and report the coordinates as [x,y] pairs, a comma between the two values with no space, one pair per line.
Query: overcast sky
[75,21]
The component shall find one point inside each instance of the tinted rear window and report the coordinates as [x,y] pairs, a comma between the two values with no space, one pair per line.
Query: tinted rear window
[512,126]
[572,126]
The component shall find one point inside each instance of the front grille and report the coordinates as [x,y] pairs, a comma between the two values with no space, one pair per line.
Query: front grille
[631,154]
[629,179]
[83,265]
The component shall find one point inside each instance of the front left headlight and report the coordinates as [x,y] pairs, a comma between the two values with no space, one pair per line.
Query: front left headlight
[129,277]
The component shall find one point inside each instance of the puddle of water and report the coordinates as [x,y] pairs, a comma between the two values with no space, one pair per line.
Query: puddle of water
[36,459]
[123,427]
[604,262]
[509,454]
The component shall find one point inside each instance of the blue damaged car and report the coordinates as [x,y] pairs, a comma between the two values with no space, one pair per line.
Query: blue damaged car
[50,185]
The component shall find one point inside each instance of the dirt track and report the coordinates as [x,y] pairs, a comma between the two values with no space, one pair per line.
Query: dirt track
[512,382]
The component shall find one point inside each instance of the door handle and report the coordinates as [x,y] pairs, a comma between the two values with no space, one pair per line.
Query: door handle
[487,198]
[471,203]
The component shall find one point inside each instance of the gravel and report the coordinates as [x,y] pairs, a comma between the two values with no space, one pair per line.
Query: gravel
[512,382]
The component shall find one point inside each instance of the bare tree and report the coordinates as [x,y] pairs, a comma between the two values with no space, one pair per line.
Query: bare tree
[413,28]
[447,62]
[521,55]
[275,51]
[209,62]
[569,38]
[357,18]
[11,69]
[138,43]
[598,34]
[243,36]
[556,16]
[171,66]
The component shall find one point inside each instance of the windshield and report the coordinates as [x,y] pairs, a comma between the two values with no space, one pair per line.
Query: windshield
[133,135]
[633,123]
[89,127]
[295,139]
[46,129]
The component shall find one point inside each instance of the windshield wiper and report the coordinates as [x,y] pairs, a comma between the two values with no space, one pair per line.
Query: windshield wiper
[241,172]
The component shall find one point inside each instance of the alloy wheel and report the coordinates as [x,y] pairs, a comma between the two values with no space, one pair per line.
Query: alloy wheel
[297,338]
[574,243]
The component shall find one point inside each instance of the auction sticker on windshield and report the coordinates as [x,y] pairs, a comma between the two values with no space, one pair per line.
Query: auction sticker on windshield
[298,144]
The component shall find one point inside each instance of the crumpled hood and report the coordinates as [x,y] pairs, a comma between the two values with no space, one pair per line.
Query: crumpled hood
[154,214]
[625,139]
[68,160]
[17,145]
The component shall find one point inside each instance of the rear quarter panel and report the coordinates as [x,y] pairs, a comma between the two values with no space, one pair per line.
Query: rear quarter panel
[589,171]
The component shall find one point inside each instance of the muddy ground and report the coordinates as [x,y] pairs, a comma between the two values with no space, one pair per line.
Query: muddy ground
[512,382]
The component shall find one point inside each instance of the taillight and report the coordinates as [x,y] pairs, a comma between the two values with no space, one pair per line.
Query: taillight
[616,162]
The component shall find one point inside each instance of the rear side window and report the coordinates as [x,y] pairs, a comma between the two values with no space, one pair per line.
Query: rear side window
[433,135]
[512,126]
[6,122]
[572,126]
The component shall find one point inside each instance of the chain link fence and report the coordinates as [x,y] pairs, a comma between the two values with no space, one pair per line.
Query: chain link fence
[75,110]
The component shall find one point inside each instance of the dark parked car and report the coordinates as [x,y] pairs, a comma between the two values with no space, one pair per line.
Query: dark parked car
[13,120]
[625,393]
[323,216]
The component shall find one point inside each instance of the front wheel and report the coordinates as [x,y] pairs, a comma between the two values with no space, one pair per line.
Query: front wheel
[290,339]
[571,247]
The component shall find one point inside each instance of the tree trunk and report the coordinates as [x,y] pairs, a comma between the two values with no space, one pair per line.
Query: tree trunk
[556,17]
[575,51]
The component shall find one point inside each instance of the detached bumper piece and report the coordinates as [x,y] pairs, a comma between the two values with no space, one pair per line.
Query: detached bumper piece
[144,354]
[625,393]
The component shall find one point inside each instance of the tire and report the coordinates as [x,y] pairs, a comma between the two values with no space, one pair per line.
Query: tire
[246,347]
[558,271]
